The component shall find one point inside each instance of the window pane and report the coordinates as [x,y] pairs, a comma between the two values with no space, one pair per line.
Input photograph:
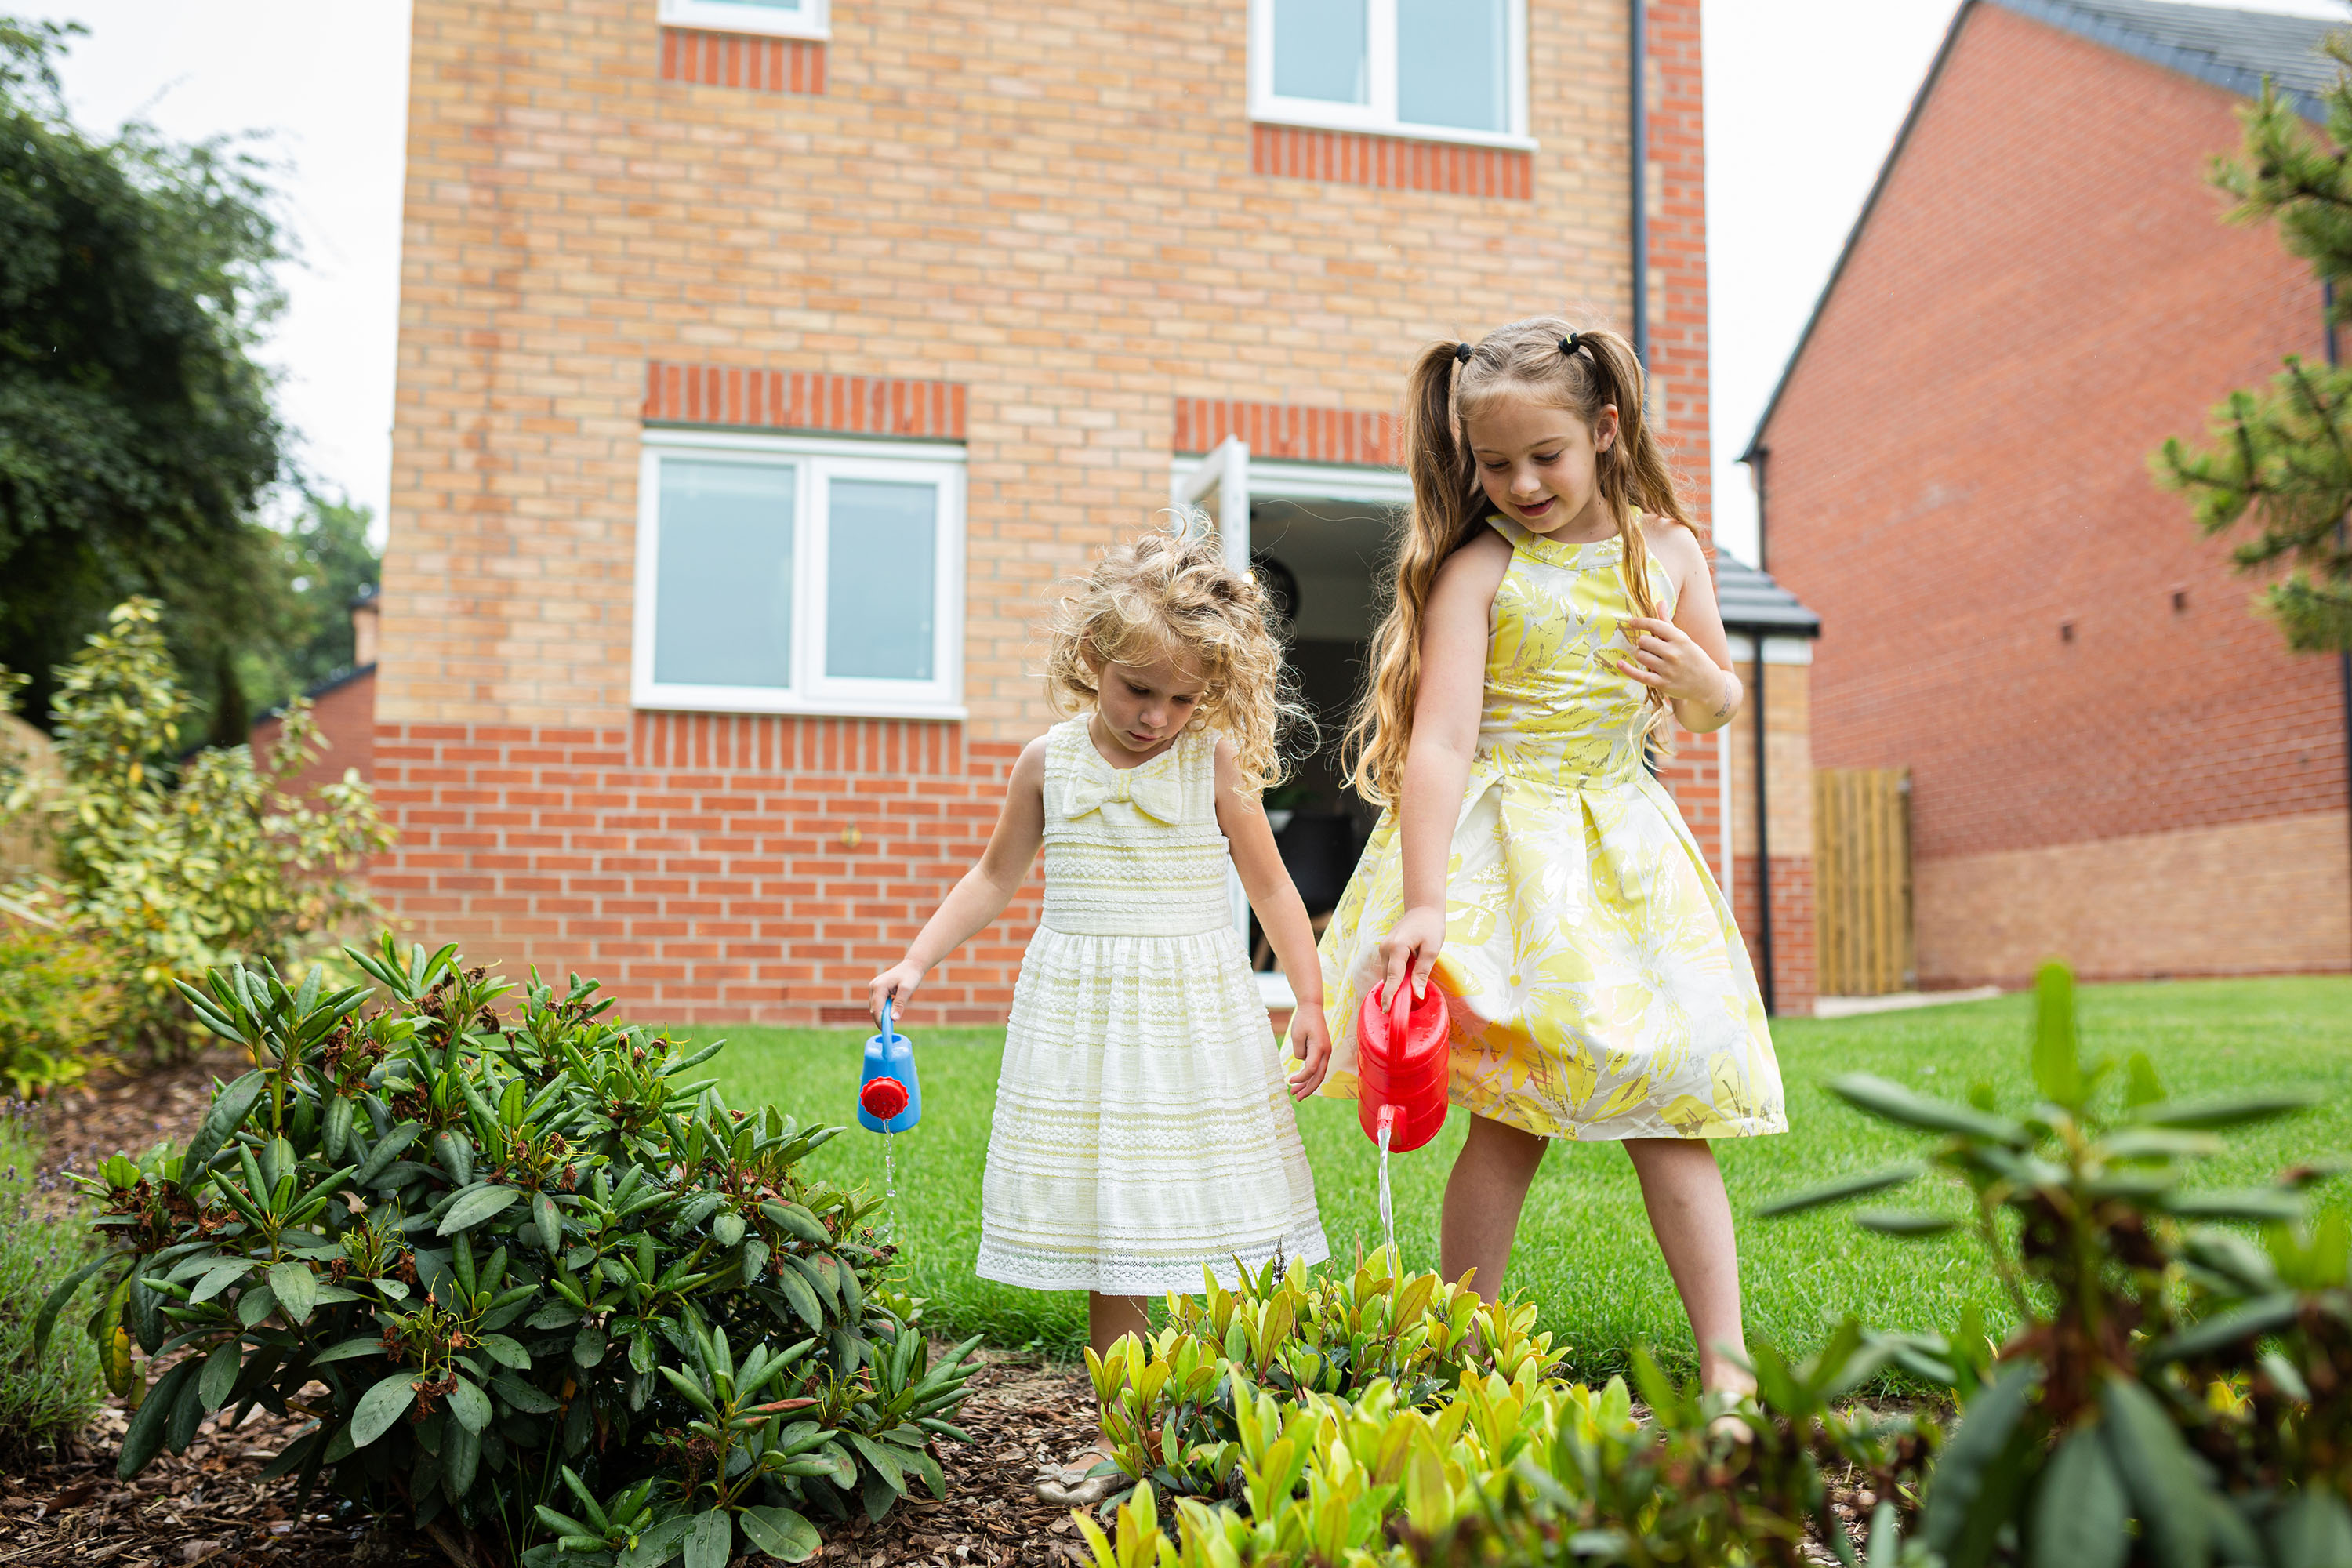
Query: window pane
[723,593]
[881,555]
[1450,59]
[766,5]
[1319,50]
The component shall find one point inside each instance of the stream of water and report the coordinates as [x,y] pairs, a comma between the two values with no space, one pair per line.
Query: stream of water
[890,1188]
[1388,1209]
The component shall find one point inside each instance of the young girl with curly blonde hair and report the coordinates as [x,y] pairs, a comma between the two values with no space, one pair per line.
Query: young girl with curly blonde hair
[1552,607]
[1143,1127]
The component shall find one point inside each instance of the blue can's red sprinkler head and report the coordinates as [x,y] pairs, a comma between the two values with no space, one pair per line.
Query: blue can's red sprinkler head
[889,1096]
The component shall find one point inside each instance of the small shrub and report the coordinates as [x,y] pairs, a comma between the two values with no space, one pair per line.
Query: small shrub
[2176,1393]
[59,1003]
[47,1392]
[206,865]
[561,1305]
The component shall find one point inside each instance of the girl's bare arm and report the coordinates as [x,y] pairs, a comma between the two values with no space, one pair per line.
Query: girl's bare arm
[1455,632]
[983,892]
[1274,896]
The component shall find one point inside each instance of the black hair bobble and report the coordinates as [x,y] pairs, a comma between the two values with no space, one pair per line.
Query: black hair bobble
[1462,354]
[1573,342]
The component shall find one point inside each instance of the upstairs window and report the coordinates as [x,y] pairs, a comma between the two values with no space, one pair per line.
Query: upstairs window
[1452,70]
[782,575]
[789,18]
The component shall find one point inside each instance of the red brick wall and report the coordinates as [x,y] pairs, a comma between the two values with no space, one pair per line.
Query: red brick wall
[705,866]
[1793,958]
[1958,472]
[1074,227]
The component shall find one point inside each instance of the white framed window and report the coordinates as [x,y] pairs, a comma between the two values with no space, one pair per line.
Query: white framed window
[790,18]
[1450,70]
[783,574]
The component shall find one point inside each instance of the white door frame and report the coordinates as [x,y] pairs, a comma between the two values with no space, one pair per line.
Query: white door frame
[1222,483]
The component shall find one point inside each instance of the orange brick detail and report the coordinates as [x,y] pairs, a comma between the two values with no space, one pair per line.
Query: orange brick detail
[1392,162]
[1290,430]
[741,59]
[795,400]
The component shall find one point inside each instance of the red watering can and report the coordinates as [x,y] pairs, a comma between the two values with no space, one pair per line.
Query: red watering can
[1401,1064]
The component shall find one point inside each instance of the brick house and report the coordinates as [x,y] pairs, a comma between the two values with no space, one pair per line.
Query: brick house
[763,363]
[2112,759]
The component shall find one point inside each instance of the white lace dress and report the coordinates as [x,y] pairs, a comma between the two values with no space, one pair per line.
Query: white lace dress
[1142,1124]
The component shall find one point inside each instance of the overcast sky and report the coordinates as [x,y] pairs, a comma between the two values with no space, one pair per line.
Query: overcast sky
[1804,97]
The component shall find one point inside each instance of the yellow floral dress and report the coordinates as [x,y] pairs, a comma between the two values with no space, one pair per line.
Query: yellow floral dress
[1597,985]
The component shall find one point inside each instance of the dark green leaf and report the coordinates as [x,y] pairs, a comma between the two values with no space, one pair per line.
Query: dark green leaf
[381,1406]
[588,1344]
[1851,1186]
[368,1345]
[220,1373]
[797,1221]
[883,1460]
[149,1422]
[2080,1515]
[521,1395]
[2260,1205]
[2252,1319]
[228,1115]
[780,1533]
[506,1351]
[2231,1111]
[711,1540]
[1893,1102]
[549,1221]
[475,1207]
[46,1321]
[803,1299]
[660,1545]
[1904,1222]
[461,1455]
[2314,1531]
[2158,1471]
[1988,1428]
[296,1288]
[470,1404]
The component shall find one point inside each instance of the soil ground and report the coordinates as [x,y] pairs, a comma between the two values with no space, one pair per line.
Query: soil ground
[208,1506]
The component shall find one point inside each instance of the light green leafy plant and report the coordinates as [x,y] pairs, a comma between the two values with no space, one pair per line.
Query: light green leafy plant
[209,863]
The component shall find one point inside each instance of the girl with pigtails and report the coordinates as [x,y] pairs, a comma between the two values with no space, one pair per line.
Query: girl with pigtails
[1553,610]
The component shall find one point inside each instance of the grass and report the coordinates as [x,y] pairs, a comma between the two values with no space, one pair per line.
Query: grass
[1585,1250]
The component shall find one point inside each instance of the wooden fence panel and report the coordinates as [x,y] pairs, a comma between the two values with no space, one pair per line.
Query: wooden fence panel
[1862,874]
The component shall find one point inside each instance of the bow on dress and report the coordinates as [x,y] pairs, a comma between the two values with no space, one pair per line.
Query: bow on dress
[1155,792]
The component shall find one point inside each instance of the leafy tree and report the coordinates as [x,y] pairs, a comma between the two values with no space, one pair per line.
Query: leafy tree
[324,561]
[2283,454]
[136,431]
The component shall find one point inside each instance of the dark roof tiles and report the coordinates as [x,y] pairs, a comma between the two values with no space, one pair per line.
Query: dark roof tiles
[2231,50]
[1753,603]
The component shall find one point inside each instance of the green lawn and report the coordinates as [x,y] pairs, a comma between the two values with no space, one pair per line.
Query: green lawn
[1585,1249]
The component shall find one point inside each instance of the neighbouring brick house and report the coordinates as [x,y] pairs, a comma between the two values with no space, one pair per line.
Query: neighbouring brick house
[2112,759]
[762,365]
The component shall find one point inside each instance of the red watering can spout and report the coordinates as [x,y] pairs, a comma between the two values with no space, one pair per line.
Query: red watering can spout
[883,1098]
[1402,1066]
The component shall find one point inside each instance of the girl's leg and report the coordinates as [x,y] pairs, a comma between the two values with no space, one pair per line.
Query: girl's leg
[1483,1198]
[1683,1189]
[1107,1319]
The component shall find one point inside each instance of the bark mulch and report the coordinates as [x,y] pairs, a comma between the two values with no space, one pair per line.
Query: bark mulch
[208,1506]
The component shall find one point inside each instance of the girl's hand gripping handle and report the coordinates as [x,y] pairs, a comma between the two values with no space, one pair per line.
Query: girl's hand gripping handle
[1410,951]
[888,991]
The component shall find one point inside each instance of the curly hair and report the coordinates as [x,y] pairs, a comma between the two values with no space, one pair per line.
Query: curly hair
[1170,594]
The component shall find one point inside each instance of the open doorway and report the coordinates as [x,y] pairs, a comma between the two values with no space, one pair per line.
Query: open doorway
[1320,536]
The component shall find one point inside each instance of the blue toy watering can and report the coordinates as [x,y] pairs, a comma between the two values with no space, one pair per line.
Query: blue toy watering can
[889,1098]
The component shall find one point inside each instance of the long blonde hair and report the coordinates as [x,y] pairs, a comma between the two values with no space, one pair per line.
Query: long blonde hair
[1171,594]
[1532,360]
